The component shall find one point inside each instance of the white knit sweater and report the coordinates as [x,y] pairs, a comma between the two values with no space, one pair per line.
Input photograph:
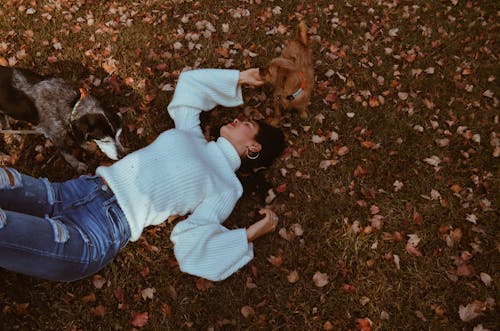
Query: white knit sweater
[181,173]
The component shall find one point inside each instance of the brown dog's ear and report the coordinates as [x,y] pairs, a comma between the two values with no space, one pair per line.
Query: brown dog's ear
[281,62]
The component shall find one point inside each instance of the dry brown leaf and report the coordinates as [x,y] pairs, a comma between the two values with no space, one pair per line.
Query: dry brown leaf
[98,281]
[320,279]
[471,311]
[89,298]
[364,324]
[293,277]
[148,293]
[485,278]
[140,319]
[247,311]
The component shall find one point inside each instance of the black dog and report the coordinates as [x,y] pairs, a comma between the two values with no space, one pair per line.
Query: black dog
[60,112]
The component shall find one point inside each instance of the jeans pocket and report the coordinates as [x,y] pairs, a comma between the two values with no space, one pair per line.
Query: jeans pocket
[118,226]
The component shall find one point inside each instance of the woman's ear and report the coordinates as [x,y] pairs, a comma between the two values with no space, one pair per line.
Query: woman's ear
[255,147]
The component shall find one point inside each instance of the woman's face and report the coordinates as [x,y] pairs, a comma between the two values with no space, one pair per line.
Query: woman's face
[242,135]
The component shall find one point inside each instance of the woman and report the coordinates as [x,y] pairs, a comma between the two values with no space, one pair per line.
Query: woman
[67,231]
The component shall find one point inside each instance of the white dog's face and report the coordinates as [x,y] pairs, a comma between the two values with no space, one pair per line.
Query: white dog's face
[111,147]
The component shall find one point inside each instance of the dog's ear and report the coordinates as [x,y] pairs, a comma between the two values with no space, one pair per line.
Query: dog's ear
[277,69]
[283,63]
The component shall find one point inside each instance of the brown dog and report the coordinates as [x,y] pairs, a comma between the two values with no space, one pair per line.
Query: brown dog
[292,75]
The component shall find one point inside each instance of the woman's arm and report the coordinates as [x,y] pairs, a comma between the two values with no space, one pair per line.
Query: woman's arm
[201,90]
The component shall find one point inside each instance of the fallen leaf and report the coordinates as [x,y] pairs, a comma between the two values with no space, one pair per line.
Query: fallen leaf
[288,236]
[433,161]
[148,293]
[348,288]
[140,319]
[374,209]
[413,250]
[397,185]
[275,260]
[328,326]
[343,151]
[247,311]
[293,276]
[364,300]
[297,229]
[320,279]
[485,278]
[373,102]
[471,311]
[98,281]
[465,270]
[364,324]
[99,311]
[89,298]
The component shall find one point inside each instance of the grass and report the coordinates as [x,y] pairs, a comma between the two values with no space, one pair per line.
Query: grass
[458,40]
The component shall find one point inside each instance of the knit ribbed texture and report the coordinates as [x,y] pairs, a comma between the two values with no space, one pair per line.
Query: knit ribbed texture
[181,173]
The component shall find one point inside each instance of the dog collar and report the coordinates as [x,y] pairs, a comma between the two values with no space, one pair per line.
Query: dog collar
[303,86]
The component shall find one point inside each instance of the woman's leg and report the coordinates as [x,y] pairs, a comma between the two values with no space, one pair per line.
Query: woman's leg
[81,236]
[42,247]
[25,194]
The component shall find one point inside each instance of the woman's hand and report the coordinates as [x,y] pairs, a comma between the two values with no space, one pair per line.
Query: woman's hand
[265,225]
[250,77]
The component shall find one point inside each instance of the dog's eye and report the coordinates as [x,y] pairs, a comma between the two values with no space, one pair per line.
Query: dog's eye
[290,97]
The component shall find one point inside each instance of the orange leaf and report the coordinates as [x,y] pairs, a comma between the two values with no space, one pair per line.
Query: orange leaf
[281,188]
[348,288]
[456,188]
[363,324]
[417,218]
[413,250]
[140,319]
[367,144]
[373,102]
[465,270]
[275,260]
[99,311]
[360,171]
[166,310]
[222,51]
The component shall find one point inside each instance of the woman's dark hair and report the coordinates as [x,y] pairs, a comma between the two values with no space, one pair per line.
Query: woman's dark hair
[250,175]
[273,143]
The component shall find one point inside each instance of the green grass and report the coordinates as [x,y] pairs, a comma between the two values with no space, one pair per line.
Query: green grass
[424,294]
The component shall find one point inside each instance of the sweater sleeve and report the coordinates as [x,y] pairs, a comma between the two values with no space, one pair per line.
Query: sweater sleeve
[205,248]
[201,90]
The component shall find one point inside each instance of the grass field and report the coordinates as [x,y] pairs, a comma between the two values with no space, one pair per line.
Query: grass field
[388,195]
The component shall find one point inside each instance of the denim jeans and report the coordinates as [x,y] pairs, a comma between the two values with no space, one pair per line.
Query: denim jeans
[58,231]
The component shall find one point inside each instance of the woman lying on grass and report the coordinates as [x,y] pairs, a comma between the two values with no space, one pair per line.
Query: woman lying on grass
[68,231]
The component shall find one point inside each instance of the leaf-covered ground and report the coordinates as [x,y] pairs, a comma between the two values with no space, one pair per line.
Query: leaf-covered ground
[388,195]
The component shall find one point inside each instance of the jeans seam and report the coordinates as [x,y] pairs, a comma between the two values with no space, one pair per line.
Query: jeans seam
[42,253]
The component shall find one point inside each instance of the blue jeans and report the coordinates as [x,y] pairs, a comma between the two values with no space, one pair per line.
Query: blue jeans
[58,231]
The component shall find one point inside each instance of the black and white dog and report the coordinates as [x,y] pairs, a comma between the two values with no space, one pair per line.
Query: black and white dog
[60,112]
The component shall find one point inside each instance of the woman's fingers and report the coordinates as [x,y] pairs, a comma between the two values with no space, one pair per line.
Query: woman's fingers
[251,77]
[270,215]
